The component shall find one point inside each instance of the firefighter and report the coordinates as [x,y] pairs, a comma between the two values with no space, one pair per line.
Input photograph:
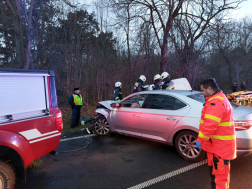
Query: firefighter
[117,91]
[168,84]
[138,87]
[75,100]
[217,133]
[158,82]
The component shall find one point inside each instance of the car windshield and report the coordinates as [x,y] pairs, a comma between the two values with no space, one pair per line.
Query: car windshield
[199,97]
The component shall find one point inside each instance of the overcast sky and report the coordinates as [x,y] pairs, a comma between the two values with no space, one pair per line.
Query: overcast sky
[244,10]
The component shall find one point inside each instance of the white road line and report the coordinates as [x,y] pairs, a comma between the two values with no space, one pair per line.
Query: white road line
[73,138]
[168,175]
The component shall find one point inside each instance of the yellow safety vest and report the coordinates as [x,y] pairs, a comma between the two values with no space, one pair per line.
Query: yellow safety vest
[77,99]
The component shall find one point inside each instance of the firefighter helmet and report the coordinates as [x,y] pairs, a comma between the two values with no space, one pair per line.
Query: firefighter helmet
[157,77]
[143,78]
[164,75]
[118,84]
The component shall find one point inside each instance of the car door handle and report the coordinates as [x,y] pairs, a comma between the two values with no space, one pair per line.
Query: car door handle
[136,115]
[171,118]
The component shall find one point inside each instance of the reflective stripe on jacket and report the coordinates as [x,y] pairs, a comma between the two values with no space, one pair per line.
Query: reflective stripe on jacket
[138,87]
[168,86]
[118,94]
[216,130]
[77,99]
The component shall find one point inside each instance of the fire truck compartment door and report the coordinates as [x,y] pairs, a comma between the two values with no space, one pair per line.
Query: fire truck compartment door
[22,96]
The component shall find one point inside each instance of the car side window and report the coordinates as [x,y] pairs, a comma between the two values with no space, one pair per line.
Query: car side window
[134,102]
[178,105]
[165,102]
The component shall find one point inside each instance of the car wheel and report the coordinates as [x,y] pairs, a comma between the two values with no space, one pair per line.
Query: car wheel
[7,176]
[101,126]
[185,144]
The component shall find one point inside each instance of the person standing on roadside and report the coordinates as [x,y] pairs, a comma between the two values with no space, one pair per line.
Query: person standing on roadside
[168,84]
[138,87]
[75,100]
[243,86]
[217,133]
[117,91]
[234,87]
[158,82]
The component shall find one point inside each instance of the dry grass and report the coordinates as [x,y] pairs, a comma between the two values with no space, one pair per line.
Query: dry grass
[36,163]
[67,113]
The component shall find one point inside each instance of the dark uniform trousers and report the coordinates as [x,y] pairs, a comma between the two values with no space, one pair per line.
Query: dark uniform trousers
[75,117]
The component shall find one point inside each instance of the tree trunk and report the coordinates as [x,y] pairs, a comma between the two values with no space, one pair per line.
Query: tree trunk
[29,35]
[128,46]
[164,60]
[229,67]
[18,35]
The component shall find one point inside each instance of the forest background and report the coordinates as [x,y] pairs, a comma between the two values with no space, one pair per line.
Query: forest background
[119,40]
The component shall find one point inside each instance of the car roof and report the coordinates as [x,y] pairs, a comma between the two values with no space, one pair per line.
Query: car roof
[180,92]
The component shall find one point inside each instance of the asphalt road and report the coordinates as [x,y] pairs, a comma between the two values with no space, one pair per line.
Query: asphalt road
[121,162]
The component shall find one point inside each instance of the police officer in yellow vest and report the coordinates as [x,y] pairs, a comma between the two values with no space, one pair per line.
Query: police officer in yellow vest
[75,100]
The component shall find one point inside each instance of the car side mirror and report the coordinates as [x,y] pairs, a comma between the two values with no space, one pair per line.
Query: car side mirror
[115,105]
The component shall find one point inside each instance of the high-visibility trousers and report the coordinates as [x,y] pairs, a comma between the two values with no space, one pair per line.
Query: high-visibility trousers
[220,174]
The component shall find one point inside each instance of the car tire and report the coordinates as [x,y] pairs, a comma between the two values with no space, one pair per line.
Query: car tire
[7,176]
[185,143]
[101,126]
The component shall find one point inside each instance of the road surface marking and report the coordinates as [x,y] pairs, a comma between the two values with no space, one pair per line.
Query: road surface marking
[168,175]
[73,138]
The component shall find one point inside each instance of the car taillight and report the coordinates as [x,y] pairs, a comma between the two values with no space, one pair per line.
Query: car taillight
[59,121]
[242,125]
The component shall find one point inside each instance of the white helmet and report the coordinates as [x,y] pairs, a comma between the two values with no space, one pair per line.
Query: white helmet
[164,75]
[143,78]
[157,77]
[118,84]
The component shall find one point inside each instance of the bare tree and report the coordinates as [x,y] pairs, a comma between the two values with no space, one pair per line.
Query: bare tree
[22,11]
[233,41]
[162,13]
[14,6]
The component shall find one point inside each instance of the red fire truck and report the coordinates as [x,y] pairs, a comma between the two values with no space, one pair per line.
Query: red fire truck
[30,121]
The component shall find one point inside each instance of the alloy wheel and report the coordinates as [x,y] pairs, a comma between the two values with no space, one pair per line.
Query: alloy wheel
[187,146]
[101,126]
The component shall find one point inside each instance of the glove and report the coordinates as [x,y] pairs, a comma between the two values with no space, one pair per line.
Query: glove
[198,145]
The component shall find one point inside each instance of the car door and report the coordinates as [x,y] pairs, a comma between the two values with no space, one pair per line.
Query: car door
[160,114]
[126,118]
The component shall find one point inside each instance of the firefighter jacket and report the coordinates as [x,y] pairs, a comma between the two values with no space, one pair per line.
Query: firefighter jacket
[158,84]
[216,130]
[118,94]
[168,86]
[75,100]
[138,87]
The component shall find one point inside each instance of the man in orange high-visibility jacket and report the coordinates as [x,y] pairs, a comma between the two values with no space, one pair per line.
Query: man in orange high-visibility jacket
[217,133]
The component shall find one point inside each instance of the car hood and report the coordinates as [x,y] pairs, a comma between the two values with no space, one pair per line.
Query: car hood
[107,103]
[242,113]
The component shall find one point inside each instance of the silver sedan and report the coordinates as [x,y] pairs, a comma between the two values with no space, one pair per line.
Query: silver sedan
[168,116]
